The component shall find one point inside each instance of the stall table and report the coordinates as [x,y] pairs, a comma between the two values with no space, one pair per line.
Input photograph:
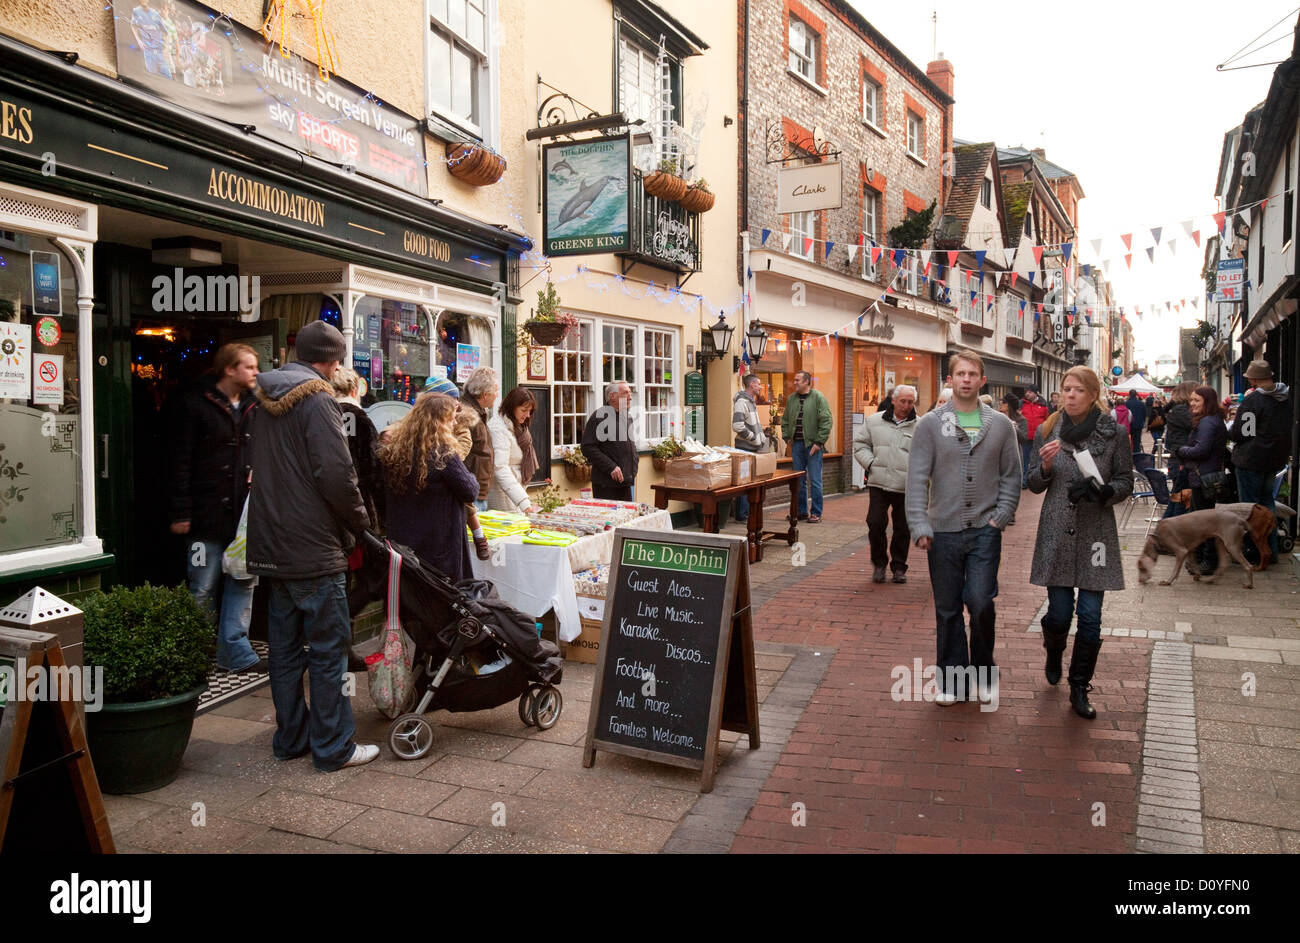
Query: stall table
[756,491]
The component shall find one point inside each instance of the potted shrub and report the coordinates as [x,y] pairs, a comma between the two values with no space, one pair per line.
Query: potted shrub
[699,198]
[576,467]
[667,449]
[664,182]
[155,645]
[475,164]
[548,324]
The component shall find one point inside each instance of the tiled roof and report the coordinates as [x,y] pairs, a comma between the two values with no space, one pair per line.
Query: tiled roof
[1011,155]
[970,163]
[1015,204]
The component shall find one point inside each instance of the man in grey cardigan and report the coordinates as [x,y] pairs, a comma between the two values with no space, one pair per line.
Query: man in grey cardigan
[963,485]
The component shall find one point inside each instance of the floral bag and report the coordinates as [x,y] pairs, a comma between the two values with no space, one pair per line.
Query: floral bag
[389,670]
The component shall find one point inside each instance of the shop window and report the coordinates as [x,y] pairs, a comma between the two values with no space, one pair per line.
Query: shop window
[787,353]
[392,349]
[877,369]
[462,63]
[41,463]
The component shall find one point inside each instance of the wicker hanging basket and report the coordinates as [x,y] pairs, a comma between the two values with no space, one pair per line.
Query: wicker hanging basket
[697,200]
[546,333]
[577,474]
[665,186]
[474,165]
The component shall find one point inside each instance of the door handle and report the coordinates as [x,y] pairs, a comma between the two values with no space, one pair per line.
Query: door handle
[103,473]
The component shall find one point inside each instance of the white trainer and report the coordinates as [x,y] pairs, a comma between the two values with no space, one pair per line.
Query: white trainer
[945,698]
[362,754]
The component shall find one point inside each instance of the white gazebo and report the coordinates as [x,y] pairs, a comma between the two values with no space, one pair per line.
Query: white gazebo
[1138,382]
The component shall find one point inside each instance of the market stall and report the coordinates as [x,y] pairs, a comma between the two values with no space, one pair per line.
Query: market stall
[535,557]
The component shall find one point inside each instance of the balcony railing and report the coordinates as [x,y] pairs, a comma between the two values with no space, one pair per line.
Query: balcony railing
[663,234]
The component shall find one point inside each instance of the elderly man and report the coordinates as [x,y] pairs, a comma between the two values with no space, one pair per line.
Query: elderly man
[881,446]
[609,442]
[482,388]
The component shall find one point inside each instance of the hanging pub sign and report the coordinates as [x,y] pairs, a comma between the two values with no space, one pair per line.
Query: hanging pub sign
[195,57]
[585,195]
[808,187]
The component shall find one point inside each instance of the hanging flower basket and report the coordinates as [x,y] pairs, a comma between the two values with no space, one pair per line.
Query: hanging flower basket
[577,474]
[474,165]
[697,200]
[546,333]
[665,186]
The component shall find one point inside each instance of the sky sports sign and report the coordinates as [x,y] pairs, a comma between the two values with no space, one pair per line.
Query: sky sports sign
[192,56]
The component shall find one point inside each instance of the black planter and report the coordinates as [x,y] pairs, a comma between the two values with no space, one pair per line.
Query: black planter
[137,746]
[546,333]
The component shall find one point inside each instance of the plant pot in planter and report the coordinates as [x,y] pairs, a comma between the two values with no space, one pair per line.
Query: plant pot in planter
[577,474]
[137,747]
[697,201]
[546,333]
[665,186]
[474,165]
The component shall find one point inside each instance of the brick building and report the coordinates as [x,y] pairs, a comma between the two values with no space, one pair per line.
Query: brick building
[820,85]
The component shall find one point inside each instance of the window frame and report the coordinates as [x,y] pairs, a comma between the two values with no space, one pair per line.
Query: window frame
[634,39]
[487,129]
[986,193]
[920,135]
[797,240]
[811,38]
[870,83]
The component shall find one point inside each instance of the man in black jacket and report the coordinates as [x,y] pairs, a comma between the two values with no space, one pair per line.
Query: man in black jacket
[210,465]
[609,443]
[1261,436]
[302,520]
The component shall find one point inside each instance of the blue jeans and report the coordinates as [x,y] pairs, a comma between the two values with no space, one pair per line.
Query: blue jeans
[1061,606]
[964,572]
[1257,488]
[1025,451]
[312,612]
[203,572]
[812,481]
[742,507]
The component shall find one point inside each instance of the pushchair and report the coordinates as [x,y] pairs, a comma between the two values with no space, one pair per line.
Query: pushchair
[473,651]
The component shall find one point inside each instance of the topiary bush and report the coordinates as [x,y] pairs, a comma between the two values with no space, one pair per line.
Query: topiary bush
[152,641]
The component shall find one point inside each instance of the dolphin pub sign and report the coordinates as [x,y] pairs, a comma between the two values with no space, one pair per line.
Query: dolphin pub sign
[586,196]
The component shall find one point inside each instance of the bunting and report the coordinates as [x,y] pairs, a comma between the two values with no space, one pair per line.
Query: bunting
[1128,240]
[766,233]
[1155,234]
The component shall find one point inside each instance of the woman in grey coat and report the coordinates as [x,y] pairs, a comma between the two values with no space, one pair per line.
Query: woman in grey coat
[1078,543]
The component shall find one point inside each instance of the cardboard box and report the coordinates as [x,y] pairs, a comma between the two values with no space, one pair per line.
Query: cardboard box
[693,471]
[585,649]
[765,465]
[592,607]
[742,467]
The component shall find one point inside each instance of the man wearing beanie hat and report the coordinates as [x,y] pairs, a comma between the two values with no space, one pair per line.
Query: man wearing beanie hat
[1261,436]
[303,513]
[441,385]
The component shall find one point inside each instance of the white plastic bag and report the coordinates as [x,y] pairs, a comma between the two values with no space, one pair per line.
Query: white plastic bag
[235,558]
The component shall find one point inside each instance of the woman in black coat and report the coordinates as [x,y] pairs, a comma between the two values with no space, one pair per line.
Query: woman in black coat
[1178,432]
[1205,455]
[428,486]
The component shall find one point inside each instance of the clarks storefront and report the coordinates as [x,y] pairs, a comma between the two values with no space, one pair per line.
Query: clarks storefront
[105,189]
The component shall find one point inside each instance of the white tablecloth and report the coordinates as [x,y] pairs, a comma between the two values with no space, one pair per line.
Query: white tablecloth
[535,578]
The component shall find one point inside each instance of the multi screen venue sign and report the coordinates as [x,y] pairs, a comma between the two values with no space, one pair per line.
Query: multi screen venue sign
[195,57]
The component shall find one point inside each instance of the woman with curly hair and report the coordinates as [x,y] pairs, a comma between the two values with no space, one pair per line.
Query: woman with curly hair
[428,486]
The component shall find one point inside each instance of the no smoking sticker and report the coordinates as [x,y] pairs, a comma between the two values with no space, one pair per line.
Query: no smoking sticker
[47,380]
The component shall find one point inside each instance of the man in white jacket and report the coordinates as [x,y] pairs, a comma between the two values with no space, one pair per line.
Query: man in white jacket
[881,446]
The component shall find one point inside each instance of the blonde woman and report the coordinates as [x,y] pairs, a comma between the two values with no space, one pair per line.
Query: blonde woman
[1077,548]
[428,486]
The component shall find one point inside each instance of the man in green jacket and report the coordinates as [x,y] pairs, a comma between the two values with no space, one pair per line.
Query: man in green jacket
[806,425]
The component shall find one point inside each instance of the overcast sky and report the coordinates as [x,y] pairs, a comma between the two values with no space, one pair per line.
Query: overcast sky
[1123,93]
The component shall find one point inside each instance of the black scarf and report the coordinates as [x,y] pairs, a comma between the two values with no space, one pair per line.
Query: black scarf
[1076,433]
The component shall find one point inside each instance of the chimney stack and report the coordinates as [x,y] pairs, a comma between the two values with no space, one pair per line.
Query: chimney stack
[940,73]
[1039,152]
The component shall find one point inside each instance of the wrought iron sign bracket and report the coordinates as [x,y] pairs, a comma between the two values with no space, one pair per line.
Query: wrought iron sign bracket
[782,148]
[560,115]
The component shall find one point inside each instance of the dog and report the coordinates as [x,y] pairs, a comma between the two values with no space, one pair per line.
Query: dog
[1226,524]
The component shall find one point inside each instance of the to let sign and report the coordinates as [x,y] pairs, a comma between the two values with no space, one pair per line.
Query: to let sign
[1231,280]
[810,187]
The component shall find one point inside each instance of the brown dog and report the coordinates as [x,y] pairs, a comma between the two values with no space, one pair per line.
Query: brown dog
[1226,524]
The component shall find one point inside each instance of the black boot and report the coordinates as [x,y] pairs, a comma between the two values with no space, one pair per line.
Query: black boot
[1054,639]
[1083,662]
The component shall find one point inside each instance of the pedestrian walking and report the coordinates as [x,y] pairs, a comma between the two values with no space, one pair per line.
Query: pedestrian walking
[1077,547]
[1205,455]
[1155,420]
[1261,435]
[1137,419]
[429,486]
[513,459]
[304,516]
[881,446]
[1178,426]
[748,428]
[806,425]
[210,470]
[963,485]
[609,443]
[1054,406]
[1010,407]
[1035,412]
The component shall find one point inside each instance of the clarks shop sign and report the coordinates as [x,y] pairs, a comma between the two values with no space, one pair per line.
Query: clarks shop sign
[810,187]
[191,55]
[872,324]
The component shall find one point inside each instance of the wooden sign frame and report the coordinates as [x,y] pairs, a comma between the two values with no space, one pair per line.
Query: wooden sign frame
[731,706]
[19,770]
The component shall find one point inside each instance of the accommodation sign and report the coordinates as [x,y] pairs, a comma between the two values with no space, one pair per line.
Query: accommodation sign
[586,203]
[809,187]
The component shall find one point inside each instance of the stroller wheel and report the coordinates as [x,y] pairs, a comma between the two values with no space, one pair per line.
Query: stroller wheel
[410,736]
[547,705]
[526,707]
[1286,544]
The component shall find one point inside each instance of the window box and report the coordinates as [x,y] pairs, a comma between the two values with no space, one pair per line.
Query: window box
[665,186]
[477,166]
[697,200]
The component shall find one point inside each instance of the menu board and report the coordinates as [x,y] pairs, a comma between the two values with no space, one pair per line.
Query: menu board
[676,662]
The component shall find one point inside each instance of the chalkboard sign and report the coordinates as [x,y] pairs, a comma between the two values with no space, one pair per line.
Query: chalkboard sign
[676,650]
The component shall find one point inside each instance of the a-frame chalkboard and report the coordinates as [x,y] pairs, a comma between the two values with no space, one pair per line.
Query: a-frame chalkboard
[49,796]
[676,651]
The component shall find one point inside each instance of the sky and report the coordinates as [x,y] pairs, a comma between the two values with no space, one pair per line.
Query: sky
[1123,94]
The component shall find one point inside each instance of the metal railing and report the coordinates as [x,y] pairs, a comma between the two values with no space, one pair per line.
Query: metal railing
[663,232]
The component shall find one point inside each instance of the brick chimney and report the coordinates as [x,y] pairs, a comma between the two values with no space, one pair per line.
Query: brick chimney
[1039,152]
[941,74]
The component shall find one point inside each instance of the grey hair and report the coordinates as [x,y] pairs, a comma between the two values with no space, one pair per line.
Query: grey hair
[482,380]
[345,381]
[612,388]
[904,388]
[750,377]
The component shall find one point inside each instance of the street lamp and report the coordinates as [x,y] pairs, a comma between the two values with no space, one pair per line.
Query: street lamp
[757,338]
[715,342]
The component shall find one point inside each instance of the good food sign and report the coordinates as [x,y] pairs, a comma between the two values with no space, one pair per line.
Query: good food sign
[810,187]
